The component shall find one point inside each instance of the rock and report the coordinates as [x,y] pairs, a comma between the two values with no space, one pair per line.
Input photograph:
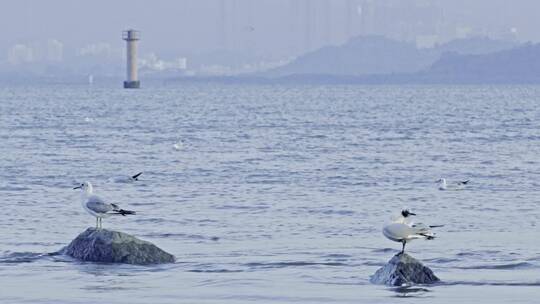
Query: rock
[403,269]
[107,246]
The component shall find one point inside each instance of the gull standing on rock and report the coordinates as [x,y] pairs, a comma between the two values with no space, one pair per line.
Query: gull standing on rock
[96,206]
[403,230]
[444,186]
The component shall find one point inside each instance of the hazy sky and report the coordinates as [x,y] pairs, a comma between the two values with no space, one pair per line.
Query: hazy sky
[279,27]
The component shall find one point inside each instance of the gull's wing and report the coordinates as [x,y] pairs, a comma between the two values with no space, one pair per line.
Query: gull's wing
[122,179]
[96,204]
[461,183]
[423,230]
[398,231]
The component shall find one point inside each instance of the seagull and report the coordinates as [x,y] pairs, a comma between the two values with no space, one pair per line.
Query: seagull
[96,206]
[403,230]
[181,144]
[127,178]
[444,186]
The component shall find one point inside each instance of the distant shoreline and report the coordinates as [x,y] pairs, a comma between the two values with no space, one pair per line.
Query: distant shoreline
[394,79]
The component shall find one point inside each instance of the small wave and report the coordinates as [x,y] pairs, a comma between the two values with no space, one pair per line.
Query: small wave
[488,209]
[373,264]
[336,256]
[142,204]
[104,288]
[34,243]
[182,235]
[442,260]
[383,250]
[330,212]
[519,265]
[151,220]
[242,207]
[488,283]
[318,136]
[477,253]
[22,257]
[267,182]
[8,188]
[292,264]
[534,259]
[214,270]
[253,159]
[409,289]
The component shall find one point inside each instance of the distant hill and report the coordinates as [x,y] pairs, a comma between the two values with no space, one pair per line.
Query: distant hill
[369,55]
[518,65]
[475,46]
[471,61]
[359,56]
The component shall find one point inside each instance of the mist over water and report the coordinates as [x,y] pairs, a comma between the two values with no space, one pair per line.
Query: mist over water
[242,37]
[273,194]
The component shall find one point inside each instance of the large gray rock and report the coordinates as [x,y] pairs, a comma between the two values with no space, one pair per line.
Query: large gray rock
[107,246]
[403,269]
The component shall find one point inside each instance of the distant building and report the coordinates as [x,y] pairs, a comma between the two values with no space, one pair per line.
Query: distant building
[55,50]
[400,20]
[181,63]
[426,41]
[20,53]
[152,62]
[97,49]
[463,32]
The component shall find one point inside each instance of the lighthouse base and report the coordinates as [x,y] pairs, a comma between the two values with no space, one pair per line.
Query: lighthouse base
[132,84]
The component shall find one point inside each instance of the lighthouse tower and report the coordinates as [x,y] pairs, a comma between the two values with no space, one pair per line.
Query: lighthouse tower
[131,37]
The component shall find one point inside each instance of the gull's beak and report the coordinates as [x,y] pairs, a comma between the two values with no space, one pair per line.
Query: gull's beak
[78,187]
[410,213]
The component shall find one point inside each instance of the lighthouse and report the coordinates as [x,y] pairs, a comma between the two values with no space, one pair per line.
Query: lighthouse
[131,37]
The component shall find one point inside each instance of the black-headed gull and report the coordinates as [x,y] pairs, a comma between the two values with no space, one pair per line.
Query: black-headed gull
[403,230]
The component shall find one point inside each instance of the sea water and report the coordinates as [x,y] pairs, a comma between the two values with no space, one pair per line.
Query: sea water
[272,194]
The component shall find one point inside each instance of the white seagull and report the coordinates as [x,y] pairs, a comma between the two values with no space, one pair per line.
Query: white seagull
[403,230]
[96,206]
[179,145]
[127,178]
[444,186]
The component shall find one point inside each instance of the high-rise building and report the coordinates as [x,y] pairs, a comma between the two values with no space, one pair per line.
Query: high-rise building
[20,53]
[222,25]
[308,26]
[55,50]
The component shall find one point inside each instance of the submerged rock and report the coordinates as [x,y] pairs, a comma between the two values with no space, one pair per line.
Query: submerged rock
[403,269]
[107,246]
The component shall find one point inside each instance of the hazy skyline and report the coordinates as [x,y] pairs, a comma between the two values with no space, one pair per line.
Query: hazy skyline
[224,37]
[280,27]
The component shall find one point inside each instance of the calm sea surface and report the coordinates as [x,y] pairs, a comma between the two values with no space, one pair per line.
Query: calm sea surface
[273,194]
